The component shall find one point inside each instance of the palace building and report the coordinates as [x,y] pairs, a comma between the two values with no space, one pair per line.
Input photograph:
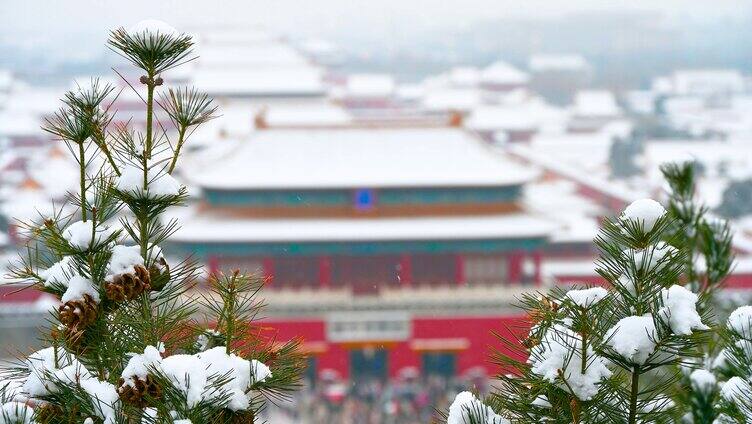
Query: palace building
[384,248]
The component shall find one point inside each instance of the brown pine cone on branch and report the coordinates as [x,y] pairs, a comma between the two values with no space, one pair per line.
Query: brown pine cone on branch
[159,272]
[122,287]
[47,413]
[139,392]
[239,417]
[78,313]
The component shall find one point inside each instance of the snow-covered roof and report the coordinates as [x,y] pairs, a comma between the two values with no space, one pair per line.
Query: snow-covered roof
[707,81]
[410,92]
[205,227]
[253,63]
[640,101]
[575,169]
[503,73]
[459,99]
[486,118]
[733,155]
[557,62]
[17,124]
[588,151]
[464,76]
[560,201]
[527,115]
[57,173]
[34,100]
[227,36]
[722,160]
[272,54]
[306,114]
[370,85]
[28,205]
[318,46]
[233,121]
[361,158]
[293,81]
[596,103]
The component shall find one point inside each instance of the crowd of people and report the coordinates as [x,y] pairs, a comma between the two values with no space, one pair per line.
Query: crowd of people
[410,399]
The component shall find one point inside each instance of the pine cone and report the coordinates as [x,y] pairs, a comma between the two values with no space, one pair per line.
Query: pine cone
[239,417]
[159,272]
[78,313]
[47,413]
[140,392]
[244,418]
[547,307]
[128,286]
[530,341]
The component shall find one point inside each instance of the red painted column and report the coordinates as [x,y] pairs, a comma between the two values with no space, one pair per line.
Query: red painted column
[515,267]
[325,272]
[459,269]
[537,259]
[268,265]
[405,270]
[213,263]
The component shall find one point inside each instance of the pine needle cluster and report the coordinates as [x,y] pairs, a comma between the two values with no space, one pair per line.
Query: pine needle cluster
[635,350]
[131,341]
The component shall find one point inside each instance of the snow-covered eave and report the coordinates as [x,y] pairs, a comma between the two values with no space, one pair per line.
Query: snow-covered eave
[576,175]
[217,229]
[240,93]
[360,184]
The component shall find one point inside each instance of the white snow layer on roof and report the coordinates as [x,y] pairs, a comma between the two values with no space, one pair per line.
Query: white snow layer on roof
[464,76]
[243,36]
[730,156]
[361,158]
[18,124]
[253,63]
[457,99]
[587,152]
[34,100]
[707,81]
[370,85]
[532,114]
[260,82]
[304,114]
[217,228]
[596,103]
[503,73]
[252,55]
[559,200]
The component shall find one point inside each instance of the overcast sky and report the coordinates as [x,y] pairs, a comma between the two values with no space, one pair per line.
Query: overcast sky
[34,22]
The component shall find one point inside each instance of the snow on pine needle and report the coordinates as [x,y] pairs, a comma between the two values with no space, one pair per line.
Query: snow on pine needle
[609,353]
[128,342]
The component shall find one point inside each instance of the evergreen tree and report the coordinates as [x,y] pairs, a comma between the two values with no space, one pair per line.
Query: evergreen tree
[127,344]
[614,354]
[732,398]
[706,242]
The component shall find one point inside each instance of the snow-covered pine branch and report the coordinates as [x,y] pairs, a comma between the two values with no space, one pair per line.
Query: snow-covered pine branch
[124,346]
[608,354]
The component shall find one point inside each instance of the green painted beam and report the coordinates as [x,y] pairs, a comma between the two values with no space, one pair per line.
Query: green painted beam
[203,250]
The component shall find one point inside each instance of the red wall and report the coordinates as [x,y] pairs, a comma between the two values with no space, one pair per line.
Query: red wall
[476,330]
